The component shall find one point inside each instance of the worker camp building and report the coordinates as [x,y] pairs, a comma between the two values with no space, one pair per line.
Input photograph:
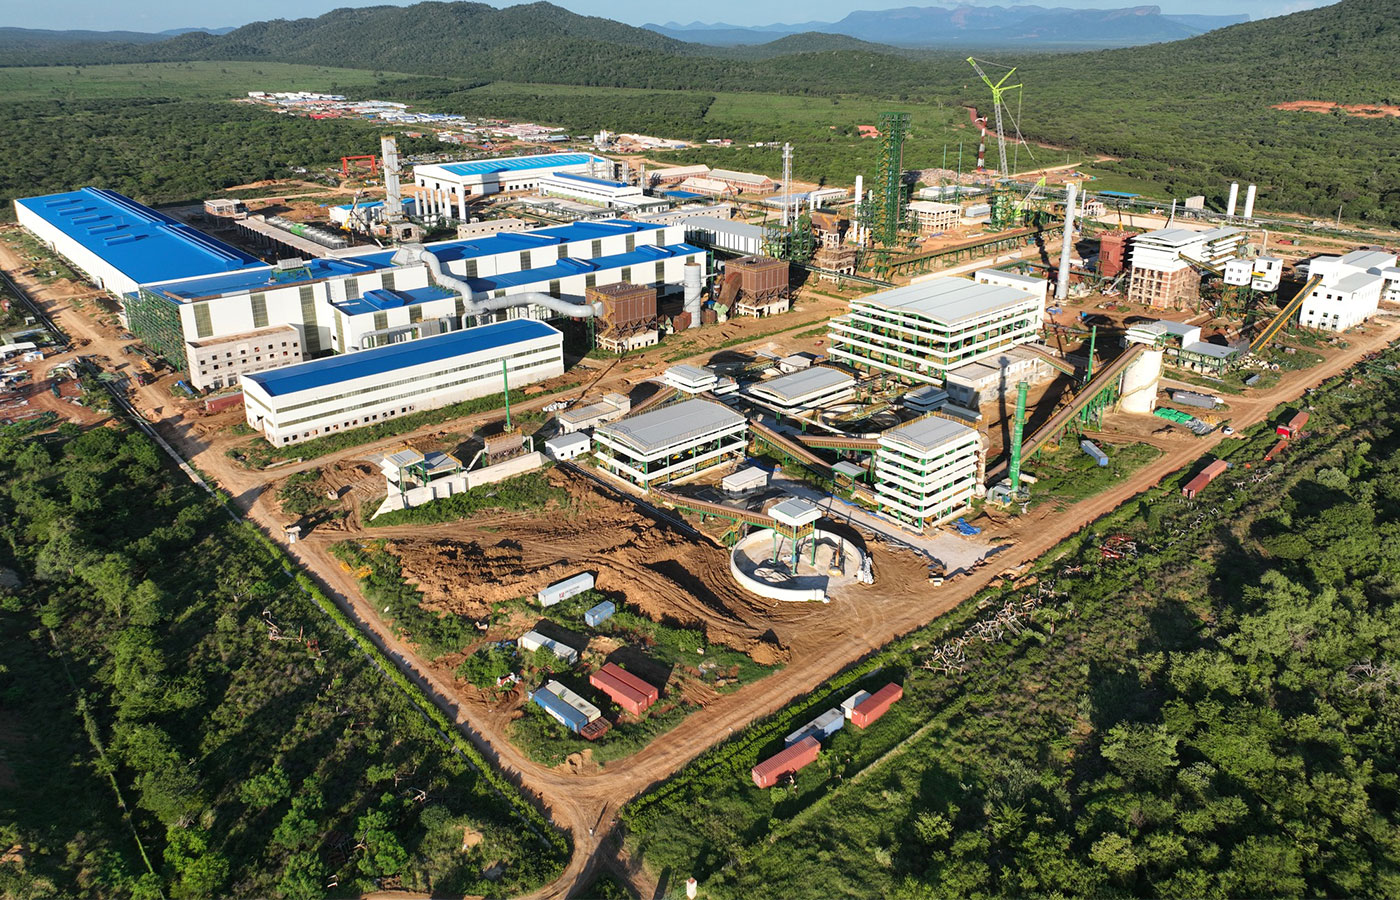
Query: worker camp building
[926,471]
[670,443]
[371,299]
[922,331]
[323,396]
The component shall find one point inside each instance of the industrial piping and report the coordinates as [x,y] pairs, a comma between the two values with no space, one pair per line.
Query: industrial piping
[474,304]
[1062,283]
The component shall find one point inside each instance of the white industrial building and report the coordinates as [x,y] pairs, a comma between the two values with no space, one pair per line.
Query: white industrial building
[922,331]
[1036,287]
[1350,292]
[460,180]
[594,191]
[1165,263]
[932,217]
[118,244]
[723,234]
[690,379]
[376,297]
[811,388]
[671,443]
[983,382]
[1261,273]
[323,396]
[926,471]
[567,446]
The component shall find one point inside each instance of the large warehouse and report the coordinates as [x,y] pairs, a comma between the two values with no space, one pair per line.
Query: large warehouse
[323,396]
[515,173]
[922,331]
[926,471]
[671,442]
[357,302]
[119,244]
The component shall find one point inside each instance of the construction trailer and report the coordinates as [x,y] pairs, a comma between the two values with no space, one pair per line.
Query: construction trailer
[531,641]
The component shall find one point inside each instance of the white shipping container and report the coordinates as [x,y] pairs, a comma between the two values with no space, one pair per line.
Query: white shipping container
[531,641]
[853,701]
[574,700]
[822,727]
[565,589]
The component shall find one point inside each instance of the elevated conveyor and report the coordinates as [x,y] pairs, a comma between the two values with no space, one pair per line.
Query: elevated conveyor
[1288,312]
[706,508]
[791,447]
[1095,395]
[1055,362]
[655,400]
[834,442]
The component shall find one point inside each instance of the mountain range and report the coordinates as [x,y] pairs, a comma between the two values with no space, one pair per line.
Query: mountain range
[969,26]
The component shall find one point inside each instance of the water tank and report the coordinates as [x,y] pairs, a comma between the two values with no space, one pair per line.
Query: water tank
[693,281]
[1140,382]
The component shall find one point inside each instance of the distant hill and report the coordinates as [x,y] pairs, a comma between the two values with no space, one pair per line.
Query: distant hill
[975,26]
[39,38]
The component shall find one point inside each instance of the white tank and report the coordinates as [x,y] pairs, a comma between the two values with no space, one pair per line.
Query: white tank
[1234,196]
[1249,202]
[693,280]
[1140,383]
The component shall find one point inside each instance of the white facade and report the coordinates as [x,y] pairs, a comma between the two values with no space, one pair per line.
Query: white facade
[932,217]
[690,379]
[810,388]
[478,178]
[671,442]
[926,471]
[222,362]
[924,330]
[1036,287]
[1350,292]
[594,191]
[983,382]
[567,446]
[311,399]
[712,231]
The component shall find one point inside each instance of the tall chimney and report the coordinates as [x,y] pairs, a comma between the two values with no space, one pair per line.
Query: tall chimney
[1249,202]
[1062,285]
[1234,195]
[393,197]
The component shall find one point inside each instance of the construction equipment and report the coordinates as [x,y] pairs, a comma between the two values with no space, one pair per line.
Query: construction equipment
[1013,475]
[1289,310]
[999,108]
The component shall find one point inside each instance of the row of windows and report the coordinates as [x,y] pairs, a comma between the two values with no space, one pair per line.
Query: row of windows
[431,389]
[387,414]
[241,364]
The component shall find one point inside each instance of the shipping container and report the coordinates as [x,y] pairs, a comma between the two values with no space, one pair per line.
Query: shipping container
[877,705]
[1195,398]
[823,726]
[600,613]
[1092,449]
[531,641]
[1294,426]
[1207,475]
[221,403]
[573,700]
[1276,449]
[565,589]
[785,762]
[625,689]
[851,702]
[560,711]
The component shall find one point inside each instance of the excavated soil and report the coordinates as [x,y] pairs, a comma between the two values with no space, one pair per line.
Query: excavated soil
[1360,110]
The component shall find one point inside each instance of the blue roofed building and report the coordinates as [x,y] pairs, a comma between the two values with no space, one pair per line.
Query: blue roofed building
[480,177]
[324,396]
[593,191]
[120,244]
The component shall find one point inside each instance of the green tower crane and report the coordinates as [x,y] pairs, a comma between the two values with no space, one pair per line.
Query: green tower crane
[1013,472]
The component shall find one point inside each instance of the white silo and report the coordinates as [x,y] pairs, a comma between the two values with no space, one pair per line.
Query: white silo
[1249,202]
[1234,196]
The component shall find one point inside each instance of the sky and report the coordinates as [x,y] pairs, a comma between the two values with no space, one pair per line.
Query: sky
[159,15]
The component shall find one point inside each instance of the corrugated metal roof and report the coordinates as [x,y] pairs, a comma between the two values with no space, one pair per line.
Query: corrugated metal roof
[262,278]
[320,373]
[948,301]
[586,179]
[928,433]
[723,226]
[383,299]
[794,387]
[671,425]
[510,164]
[139,242]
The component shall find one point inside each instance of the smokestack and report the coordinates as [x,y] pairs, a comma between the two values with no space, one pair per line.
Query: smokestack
[393,196]
[857,236]
[1249,202]
[1062,285]
[982,149]
[1234,195]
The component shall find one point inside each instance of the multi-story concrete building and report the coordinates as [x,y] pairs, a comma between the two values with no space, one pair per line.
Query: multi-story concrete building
[922,331]
[671,443]
[1350,292]
[221,363]
[1164,263]
[355,302]
[324,396]
[926,471]
[932,217]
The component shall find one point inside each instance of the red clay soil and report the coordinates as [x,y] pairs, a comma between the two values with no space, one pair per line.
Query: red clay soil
[1360,110]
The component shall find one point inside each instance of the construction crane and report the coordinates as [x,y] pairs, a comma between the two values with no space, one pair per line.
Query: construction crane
[999,108]
[1013,472]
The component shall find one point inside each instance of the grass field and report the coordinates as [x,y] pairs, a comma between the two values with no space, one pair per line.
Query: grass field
[186,80]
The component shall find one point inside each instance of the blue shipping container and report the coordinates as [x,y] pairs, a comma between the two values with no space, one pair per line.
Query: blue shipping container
[567,716]
[1090,448]
[600,613]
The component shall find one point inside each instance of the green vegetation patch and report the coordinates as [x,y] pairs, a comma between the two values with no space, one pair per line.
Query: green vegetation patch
[213,724]
[531,491]
[1068,475]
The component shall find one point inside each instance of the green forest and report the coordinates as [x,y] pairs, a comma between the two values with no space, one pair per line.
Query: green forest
[1215,714]
[185,717]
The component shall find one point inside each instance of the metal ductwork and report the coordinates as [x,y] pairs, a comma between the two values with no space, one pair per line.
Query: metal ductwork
[474,304]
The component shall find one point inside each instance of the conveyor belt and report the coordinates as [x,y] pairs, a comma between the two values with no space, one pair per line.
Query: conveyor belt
[791,447]
[1274,327]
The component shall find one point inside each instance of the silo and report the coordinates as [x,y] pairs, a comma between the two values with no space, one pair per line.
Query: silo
[693,280]
[1140,382]
[1249,202]
[1234,196]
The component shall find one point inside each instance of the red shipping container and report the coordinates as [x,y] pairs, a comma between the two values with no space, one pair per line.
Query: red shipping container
[1208,474]
[1294,425]
[794,758]
[876,705]
[631,681]
[629,699]
[227,401]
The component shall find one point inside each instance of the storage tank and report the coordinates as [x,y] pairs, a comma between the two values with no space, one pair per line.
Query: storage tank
[1094,452]
[1140,382]
[693,279]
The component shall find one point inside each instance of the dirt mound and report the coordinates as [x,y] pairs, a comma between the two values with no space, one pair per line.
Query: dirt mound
[1359,110]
